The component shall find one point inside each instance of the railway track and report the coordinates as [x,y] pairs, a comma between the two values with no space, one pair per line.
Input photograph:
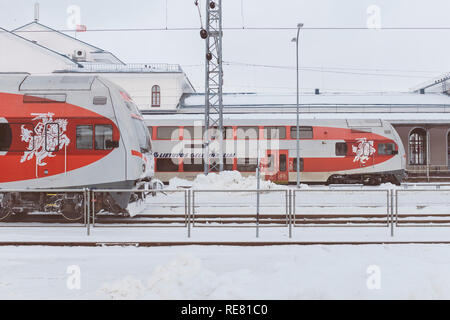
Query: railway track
[209,243]
[231,219]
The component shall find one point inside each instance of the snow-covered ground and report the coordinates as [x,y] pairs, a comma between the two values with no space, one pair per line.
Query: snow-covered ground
[387,271]
[222,272]
[211,196]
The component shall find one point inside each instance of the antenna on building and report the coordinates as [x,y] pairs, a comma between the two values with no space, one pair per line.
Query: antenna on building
[36,11]
[213,86]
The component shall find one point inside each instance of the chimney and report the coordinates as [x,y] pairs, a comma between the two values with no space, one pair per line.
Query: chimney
[422,91]
[36,11]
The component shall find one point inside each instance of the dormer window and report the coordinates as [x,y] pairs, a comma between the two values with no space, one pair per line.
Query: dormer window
[156,96]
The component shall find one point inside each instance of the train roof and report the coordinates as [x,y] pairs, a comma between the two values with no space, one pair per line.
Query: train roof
[397,118]
[266,100]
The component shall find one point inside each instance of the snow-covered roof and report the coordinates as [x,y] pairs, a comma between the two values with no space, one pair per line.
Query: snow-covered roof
[394,107]
[31,45]
[397,118]
[59,41]
[247,100]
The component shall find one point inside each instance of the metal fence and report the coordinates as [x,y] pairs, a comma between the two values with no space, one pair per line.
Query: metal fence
[286,208]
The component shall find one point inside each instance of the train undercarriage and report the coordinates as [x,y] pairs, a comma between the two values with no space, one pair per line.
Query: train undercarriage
[71,205]
[365,179]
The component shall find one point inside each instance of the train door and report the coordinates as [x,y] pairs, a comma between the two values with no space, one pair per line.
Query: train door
[276,166]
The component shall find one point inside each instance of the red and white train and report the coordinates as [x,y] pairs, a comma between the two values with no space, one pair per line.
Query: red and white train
[331,151]
[69,132]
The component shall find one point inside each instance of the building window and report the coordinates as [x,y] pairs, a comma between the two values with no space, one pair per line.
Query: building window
[156,96]
[84,137]
[418,147]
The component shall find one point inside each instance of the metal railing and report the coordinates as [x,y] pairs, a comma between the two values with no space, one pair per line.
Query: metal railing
[190,208]
[411,209]
[132,67]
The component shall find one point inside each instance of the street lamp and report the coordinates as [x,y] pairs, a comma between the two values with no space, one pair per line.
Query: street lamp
[296,40]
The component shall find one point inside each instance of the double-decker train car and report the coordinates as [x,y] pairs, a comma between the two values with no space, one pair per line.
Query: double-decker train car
[331,150]
[69,132]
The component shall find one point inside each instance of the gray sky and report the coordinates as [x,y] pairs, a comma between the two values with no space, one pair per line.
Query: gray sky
[341,58]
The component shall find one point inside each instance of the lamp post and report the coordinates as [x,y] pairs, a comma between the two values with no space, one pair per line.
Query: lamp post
[296,40]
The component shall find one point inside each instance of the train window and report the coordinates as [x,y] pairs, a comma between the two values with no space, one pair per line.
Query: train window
[341,148]
[5,137]
[103,133]
[247,164]
[193,132]
[84,137]
[227,165]
[156,96]
[167,165]
[274,132]
[386,148]
[228,133]
[193,165]
[247,132]
[167,133]
[305,132]
[294,165]
[282,162]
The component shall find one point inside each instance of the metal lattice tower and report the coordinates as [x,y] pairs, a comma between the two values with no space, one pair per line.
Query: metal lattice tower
[213,156]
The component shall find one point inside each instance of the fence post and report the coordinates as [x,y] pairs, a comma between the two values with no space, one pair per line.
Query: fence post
[293,206]
[290,213]
[257,213]
[189,213]
[192,213]
[185,207]
[392,212]
[388,207]
[396,208]
[88,194]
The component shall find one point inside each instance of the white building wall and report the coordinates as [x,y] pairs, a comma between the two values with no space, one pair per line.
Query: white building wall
[139,87]
[19,55]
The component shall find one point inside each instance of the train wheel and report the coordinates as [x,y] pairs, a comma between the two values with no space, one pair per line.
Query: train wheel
[5,210]
[71,211]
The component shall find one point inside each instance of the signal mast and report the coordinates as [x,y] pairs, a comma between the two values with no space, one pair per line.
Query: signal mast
[212,33]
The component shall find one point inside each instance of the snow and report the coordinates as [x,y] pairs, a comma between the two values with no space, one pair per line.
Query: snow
[225,180]
[222,272]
